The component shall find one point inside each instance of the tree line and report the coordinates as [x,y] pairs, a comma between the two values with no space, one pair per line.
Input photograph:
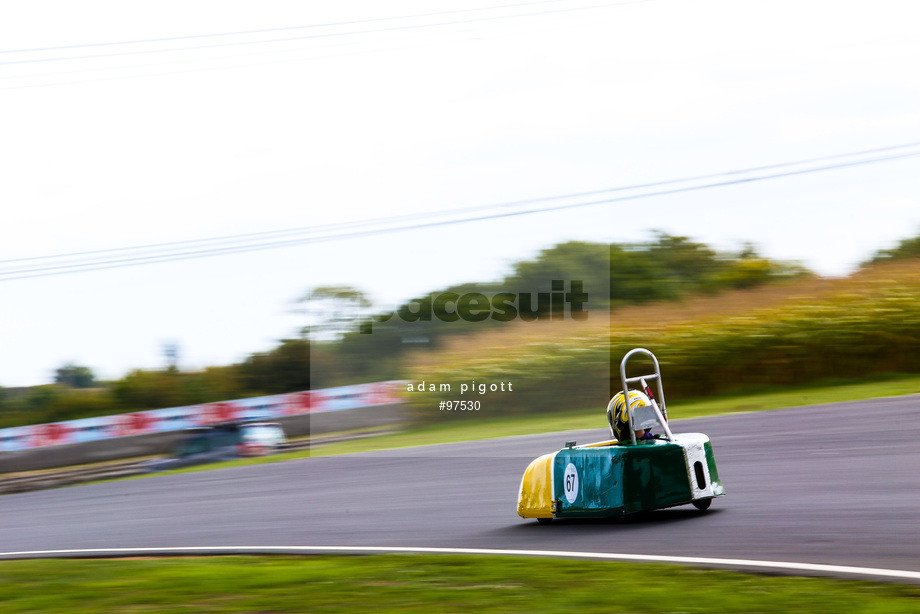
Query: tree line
[76,394]
[334,351]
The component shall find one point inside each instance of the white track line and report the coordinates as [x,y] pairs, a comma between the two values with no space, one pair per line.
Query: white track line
[649,558]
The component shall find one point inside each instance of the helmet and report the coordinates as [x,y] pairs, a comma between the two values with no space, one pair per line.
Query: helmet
[618,415]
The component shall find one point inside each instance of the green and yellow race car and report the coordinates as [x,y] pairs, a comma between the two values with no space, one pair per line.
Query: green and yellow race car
[644,466]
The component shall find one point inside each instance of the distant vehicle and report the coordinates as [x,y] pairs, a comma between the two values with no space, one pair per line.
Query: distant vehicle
[260,438]
[223,442]
[647,467]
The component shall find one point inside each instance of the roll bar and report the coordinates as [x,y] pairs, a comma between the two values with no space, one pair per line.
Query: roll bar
[660,410]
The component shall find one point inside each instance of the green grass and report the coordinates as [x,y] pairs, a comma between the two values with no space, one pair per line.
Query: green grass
[421,583]
[795,396]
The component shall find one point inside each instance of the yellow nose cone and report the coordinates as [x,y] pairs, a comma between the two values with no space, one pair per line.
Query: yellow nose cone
[535,499]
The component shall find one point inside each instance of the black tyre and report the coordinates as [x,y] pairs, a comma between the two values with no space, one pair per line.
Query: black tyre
[544,520]
[702,504]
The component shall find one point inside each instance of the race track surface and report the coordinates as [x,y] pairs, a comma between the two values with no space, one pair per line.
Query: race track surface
[834,484]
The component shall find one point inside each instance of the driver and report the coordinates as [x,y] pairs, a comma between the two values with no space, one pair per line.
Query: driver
[618,416]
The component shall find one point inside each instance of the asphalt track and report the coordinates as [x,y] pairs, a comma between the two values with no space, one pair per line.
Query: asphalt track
[829,485]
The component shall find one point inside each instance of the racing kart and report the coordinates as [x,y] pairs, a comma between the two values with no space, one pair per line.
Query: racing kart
[614,478]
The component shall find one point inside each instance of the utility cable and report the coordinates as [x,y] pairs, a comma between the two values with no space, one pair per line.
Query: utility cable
[318,36]
[376,222]
[333,24]
[122,257]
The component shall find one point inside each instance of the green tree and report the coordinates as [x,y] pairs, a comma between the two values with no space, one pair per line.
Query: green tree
[75,404]
[748,269]
[333,311]
[284,369]
[150,390]
[589,263]
[74,376]
[906,248]
[680,264]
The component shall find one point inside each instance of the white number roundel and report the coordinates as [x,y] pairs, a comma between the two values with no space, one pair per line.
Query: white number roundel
[570,483]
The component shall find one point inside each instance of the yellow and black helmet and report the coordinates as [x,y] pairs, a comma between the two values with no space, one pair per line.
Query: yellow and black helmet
[618,415]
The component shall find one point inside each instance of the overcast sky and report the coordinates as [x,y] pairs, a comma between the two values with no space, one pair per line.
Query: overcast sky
[127,124]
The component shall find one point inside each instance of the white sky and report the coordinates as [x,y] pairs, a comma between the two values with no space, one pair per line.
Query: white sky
[156,142]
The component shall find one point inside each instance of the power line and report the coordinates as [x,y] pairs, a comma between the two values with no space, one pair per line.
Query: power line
[180,72]
[185,250]
[318,36]
[269,234]
[186,60]
[165,39]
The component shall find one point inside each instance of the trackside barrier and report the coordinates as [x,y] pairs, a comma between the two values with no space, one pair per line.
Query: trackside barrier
[105,438]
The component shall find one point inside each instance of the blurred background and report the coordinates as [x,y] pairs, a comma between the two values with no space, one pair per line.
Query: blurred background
[206,204]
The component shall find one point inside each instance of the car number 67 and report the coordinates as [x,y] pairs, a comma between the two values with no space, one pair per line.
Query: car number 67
[570,482]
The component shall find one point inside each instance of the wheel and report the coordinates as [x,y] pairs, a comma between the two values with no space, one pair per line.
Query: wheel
[702,504]
[544,520]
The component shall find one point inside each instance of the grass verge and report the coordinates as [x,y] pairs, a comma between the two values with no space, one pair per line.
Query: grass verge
[421,583]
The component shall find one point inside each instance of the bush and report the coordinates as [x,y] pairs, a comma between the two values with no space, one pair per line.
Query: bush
[870,325]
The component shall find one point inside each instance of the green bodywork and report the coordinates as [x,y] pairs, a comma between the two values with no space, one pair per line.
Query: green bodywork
[621,479]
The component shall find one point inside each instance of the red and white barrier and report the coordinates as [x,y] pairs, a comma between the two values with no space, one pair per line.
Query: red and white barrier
[176,418]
